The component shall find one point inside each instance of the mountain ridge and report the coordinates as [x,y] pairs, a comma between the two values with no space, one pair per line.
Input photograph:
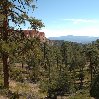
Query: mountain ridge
[78,39]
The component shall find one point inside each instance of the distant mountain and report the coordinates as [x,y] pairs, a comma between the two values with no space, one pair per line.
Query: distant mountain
[79,39]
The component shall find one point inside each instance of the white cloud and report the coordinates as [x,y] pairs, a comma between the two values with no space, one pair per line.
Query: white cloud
[88,31]
[91,29]
[76,21]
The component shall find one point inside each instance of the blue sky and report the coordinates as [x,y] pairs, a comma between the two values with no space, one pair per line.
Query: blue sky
[68,17]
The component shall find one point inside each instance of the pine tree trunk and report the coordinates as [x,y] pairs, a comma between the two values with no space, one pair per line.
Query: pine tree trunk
[57,62]
[5,70]
[5,38]
[22,65]
[91,71]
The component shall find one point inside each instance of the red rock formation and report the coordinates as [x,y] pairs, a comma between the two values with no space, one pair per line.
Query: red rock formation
[33,33]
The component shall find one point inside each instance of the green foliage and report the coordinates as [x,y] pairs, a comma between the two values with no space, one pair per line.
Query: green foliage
[94,91]
[80,94]
[16,74]
[35,23]
[59,83]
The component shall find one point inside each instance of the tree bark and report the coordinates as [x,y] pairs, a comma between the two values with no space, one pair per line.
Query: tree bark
[5,38]
[5,70]
[22,65]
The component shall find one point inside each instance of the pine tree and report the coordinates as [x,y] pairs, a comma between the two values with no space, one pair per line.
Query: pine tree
[14,11]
